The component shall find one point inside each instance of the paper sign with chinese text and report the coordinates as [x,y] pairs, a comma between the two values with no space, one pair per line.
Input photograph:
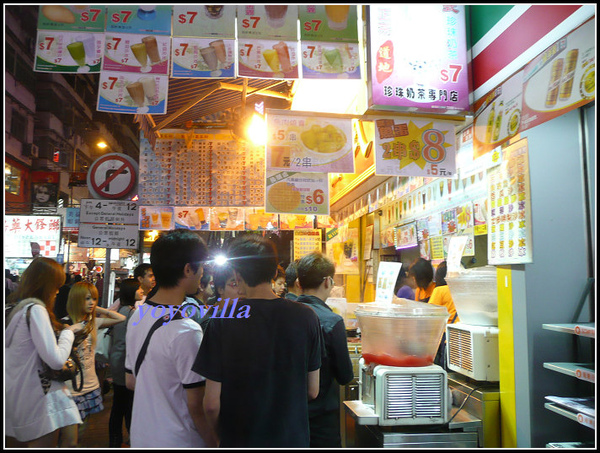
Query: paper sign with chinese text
[406,147]
[305,242]
[290,192]
[509,208]
[21,232]
[418,57]
[309,143]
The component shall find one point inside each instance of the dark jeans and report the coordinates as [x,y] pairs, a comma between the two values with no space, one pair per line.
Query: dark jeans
[121,408]
[325,430]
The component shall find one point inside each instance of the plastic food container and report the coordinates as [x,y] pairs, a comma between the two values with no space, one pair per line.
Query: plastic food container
[404,334]
[475,295]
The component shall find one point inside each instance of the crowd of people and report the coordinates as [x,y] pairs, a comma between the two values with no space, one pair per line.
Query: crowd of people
[187,375]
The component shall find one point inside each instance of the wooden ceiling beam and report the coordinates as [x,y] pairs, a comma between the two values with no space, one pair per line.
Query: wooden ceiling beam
[203,95]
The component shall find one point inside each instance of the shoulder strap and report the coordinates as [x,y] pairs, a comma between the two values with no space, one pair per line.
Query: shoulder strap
[159,322]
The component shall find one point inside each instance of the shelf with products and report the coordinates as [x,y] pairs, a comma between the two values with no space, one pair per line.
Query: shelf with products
[581,410]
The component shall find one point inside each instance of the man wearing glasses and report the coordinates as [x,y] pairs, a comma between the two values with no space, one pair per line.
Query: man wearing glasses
[315,276]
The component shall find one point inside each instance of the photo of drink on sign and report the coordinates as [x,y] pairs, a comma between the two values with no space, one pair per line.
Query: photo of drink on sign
[121,92]
[197,57]
[68,51]
[268,59]
[137,53]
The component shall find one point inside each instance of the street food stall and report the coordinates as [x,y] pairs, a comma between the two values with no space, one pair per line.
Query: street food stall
[355,134]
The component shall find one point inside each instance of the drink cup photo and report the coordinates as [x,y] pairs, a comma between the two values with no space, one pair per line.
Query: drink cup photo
[136,91]
[213,11]
[77,52]
[149,85]
[152,49]
[219,47]
[154,217]
[89,45]
[276,15]
[283,54]
[141,55]
[209,55]
[147,12]
[165,219]
[337,16]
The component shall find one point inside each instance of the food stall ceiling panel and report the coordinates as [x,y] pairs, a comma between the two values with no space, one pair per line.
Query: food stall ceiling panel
[182,92]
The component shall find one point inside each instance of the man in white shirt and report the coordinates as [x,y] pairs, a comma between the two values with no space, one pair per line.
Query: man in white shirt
[143,273]
[167,405]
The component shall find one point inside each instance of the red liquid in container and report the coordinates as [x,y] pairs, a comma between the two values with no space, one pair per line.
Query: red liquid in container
[406,361]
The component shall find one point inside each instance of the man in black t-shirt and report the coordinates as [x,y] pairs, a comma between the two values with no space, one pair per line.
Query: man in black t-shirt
[261,364]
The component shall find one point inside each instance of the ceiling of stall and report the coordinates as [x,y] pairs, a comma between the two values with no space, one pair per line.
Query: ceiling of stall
[201,103]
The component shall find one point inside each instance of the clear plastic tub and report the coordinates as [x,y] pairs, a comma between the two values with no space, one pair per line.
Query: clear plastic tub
[404,334]
[475,295]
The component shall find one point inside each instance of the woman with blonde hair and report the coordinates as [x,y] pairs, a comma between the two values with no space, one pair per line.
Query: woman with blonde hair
[82,308]
[37,408]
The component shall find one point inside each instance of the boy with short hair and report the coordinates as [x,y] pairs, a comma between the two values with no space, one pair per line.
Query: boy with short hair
[315,276]
[167,404]
[261,370]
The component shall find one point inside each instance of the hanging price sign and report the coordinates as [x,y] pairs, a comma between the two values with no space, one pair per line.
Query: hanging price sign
[297,193]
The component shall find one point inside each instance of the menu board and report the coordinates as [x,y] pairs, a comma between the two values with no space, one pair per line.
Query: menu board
[296,222]
[297,193]
[329,35]
[227,219]
[407,147]
[267,41]
[136,61]
[192,217]
[70,39]
[305,242]
[387,274]
[127,92]
[509,208]
[406,236]
[259,220]
[562,78]
[498,116]
[309,143]
[418,57]
[200,168]
[203,41]
[156,218]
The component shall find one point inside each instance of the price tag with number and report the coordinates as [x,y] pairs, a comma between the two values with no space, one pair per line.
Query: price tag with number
[202,57]
[89,18]
[69,52]
[406,147]
[204,21]
[267,22]
[289,192]
[122,92]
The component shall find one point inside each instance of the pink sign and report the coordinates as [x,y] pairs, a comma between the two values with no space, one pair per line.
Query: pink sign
[418,56]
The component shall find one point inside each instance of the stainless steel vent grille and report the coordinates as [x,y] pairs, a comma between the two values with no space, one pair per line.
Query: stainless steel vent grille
[414,396]
[460,348]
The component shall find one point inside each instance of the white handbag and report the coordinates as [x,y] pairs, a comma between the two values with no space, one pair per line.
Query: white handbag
[103,344]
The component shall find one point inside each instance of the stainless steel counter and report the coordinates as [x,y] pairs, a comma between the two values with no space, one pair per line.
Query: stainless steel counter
[362,430]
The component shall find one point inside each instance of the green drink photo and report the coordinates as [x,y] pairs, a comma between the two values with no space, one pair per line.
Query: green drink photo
[77,52]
